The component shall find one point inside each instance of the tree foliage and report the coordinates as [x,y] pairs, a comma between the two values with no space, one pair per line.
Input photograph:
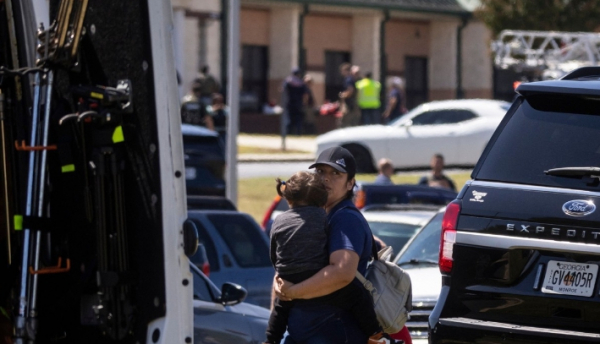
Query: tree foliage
[544,15]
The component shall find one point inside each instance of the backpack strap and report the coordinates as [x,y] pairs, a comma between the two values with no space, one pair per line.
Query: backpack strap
[374,247]
[368,285]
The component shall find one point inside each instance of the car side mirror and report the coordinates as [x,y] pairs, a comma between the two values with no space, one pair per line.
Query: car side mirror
[190,238]
[232,294]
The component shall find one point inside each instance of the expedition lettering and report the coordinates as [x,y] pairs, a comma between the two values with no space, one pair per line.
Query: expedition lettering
[571,233]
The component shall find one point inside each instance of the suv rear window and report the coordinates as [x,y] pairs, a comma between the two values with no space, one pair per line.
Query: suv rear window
[203,145]
[546,132]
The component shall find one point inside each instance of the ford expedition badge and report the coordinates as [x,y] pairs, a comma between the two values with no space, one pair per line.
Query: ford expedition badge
[578,208]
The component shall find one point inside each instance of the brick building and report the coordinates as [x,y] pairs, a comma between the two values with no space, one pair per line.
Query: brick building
[437,46]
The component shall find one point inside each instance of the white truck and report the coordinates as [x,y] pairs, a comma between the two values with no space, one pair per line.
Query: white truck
[93,232]
[546,54]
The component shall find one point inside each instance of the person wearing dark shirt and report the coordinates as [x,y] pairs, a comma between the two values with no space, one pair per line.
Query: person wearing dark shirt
[437,178]
[218,112]
[310,109]
[396,102]
[208,86]
[295,90]
[350,109]
[192,109]
[299,240]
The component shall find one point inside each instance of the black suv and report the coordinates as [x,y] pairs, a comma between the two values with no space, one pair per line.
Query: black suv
[520,246]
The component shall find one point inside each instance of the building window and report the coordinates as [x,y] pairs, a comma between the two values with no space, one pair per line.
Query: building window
[255,82]
[334,81]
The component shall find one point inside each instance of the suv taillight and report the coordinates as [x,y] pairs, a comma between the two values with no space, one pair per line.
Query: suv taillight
[206,268]
[269,212]
[448,236]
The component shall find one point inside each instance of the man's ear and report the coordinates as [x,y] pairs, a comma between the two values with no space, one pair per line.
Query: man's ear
[350,184]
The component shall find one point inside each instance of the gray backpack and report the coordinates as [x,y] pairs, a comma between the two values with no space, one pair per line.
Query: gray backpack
[391,289]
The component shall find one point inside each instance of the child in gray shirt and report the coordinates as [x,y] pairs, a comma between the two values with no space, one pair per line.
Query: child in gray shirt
[299,240]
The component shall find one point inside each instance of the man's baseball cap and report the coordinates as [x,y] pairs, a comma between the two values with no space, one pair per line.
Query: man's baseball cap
[339,158]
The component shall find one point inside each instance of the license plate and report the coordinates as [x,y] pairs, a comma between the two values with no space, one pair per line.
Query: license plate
[567,278]
[190,173]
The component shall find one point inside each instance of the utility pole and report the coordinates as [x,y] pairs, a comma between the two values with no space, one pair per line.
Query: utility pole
[233,96]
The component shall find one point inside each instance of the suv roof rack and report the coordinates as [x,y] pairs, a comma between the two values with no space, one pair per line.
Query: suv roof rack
[569,85]
[592,72]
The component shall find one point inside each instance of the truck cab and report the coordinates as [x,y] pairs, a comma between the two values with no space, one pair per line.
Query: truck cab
[93,246]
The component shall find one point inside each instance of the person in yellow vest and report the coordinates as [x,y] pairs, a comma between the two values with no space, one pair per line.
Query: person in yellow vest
[368,99]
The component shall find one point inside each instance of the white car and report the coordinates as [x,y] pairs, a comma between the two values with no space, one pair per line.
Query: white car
[396,224]
[419,258]
[457,129]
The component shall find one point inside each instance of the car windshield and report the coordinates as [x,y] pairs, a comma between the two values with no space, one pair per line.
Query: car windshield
[392,233]
[425,245]
[558,131]
[203,289]
[243,239]
[402,118]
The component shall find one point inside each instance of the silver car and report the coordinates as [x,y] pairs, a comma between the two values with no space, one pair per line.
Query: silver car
[237,250]
[396,224]
[419,259]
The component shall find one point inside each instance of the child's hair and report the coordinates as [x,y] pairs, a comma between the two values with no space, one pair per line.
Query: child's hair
[303,188]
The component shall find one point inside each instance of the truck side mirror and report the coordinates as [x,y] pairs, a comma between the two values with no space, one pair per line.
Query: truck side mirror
[190,238]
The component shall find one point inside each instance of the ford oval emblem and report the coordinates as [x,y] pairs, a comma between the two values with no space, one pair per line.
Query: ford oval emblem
[578,208]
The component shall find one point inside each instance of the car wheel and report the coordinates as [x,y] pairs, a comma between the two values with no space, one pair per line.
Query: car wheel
[364,162]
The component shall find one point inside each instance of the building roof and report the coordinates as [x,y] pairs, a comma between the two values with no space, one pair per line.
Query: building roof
[455,7]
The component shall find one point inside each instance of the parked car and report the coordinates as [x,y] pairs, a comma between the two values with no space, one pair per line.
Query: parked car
[419,259]
[204,156]
[237,251]
[370,194]
[458,129]
[209,202]
[220,316]
[396,224]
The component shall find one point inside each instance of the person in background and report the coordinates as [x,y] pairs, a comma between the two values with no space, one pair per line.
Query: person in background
[310,110]
[350,109]
[192,110]
[295,91]
[437,178]
[208,86]
[355,72]
[386,170]
[368,99]
[219,113]
[396,105]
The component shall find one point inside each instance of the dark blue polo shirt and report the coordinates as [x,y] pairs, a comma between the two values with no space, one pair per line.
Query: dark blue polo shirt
[350,231]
